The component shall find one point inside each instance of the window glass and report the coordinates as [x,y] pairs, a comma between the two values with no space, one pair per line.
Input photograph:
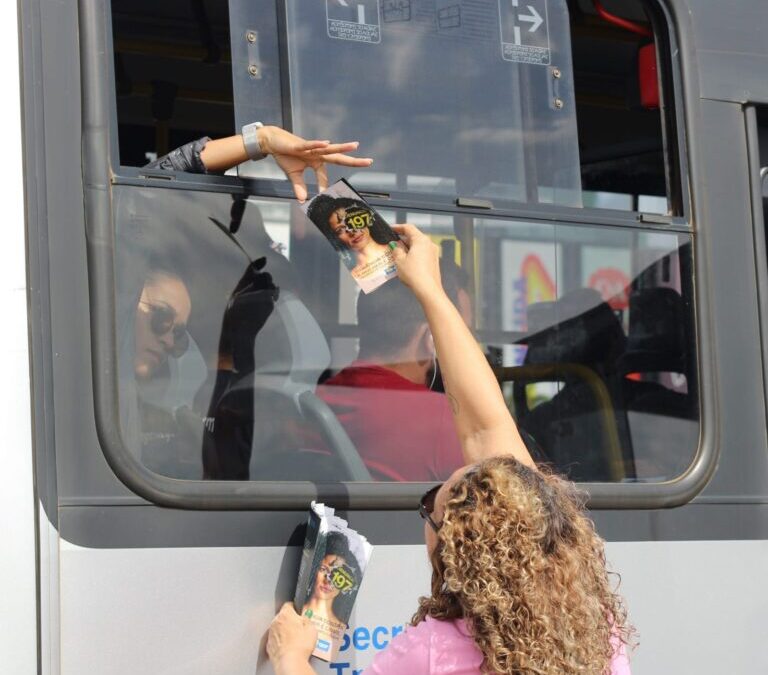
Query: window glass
[449,97]
[245,352]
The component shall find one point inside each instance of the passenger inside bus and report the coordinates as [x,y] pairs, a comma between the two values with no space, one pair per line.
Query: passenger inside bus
[162,314]
[402,430]
[168,369]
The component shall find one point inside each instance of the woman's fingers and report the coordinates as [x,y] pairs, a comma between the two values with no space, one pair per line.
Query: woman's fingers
[346,160]
[322,177]
[419,266]
[310,146]
[332,148]
[408,232]
[299,186]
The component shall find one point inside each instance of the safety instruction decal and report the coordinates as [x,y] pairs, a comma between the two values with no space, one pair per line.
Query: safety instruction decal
[355,20]
[524,31]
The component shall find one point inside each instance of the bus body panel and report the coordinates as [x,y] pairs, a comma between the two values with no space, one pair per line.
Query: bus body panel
[206,610]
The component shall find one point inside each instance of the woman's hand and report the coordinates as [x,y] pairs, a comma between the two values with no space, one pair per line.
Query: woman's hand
[291,640]
[419,266]
[293,155]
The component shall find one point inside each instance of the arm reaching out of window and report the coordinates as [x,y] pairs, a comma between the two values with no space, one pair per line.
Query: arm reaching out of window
[292,153]
[484,424]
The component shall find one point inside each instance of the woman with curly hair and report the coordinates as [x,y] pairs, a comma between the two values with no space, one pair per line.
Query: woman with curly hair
[519,582]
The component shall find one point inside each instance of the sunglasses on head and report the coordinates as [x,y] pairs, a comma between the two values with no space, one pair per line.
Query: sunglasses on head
[427,507]
[163,321]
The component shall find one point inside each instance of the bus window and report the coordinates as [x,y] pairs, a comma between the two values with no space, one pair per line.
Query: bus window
[540,102]
[591,334]
[245,350]
[251,356]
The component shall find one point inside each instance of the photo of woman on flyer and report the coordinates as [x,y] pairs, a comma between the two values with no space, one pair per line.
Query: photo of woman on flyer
[335,580]
[357,232]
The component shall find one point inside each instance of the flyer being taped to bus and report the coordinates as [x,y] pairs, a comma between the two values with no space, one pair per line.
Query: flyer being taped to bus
[333,562]
[357,232]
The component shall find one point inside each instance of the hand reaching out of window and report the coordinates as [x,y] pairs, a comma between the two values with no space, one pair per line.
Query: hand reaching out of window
[294,155]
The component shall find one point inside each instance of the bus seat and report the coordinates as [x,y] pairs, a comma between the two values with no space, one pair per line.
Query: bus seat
[656,340]
[579,328]
[317,411]
[290,351]
[656,346]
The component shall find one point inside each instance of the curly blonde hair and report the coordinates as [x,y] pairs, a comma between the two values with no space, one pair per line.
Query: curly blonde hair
[521,562]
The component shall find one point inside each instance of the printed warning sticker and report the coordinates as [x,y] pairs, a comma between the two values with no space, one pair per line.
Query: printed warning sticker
[524,31]
[355,20]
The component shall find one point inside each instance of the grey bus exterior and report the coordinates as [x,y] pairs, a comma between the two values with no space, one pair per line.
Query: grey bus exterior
[144,566]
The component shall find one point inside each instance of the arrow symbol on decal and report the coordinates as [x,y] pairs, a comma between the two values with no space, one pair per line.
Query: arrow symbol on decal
[534,18]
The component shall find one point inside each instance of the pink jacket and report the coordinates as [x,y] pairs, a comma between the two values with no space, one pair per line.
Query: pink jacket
[446,648]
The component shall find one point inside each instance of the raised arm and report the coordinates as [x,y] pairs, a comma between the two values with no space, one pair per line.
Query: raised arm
[483,422]
[292,153]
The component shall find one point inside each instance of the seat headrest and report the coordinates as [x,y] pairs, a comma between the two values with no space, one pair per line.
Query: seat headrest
[656,340]
[578,328]
[291,343]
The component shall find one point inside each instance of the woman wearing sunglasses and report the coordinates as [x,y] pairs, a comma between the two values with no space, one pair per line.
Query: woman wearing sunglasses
[162,313]
[519,583]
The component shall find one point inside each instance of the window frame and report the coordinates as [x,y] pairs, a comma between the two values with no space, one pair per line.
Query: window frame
[759,231]
[101,170]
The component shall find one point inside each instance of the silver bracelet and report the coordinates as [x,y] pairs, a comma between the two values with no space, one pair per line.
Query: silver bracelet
[251,140]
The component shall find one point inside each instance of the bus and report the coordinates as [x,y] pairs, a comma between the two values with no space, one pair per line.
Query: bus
[593,171]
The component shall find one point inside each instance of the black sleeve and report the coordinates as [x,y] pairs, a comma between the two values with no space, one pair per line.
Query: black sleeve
[186,158]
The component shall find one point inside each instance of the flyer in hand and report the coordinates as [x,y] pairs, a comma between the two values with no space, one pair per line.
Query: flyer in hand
[333,562]
[357,232]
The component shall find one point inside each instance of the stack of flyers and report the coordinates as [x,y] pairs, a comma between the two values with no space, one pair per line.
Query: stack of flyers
[333,562]
[357,232]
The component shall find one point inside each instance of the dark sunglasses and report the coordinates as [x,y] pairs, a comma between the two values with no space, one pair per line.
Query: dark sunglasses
[163,321]
[427,507]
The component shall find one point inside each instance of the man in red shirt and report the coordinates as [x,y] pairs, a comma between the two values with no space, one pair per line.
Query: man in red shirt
[402,430]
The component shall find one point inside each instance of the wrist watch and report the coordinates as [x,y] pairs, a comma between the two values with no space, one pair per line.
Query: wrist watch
[251,140]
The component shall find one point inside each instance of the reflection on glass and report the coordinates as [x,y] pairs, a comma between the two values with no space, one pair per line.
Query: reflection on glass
[241,362]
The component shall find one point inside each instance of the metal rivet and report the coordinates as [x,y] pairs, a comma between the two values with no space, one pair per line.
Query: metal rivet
[253,70]
[556,73]
[250,36]
[559,103]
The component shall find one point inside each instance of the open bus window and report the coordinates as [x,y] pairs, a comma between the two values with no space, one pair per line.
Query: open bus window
[539,102]
[247,354]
